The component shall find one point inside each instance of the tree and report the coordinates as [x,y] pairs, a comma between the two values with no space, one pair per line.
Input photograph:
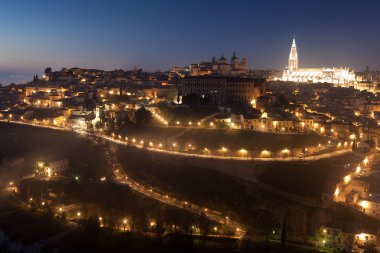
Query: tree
[143,117]
[98,125]
[194,99]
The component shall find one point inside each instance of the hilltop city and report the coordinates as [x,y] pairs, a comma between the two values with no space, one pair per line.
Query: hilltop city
[285,157]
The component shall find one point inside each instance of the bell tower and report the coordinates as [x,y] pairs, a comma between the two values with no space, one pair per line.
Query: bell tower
[293,57]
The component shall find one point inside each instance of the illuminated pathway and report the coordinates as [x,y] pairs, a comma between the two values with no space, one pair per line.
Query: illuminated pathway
[186,154]
[122,179]
[246,158]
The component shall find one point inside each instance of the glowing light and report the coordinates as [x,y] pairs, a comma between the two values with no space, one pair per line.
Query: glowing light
[365,161]
[48,171]
[243,151]
[336,193]
[211,124]
[362,236]
[79,214]
[265,153]
[347,179]
[358,170]
[364,204]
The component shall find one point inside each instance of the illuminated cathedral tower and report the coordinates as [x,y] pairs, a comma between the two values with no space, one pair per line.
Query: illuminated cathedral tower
[293,57]
[337,76]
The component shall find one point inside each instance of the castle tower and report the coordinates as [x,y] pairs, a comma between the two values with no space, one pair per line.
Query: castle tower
[293,57]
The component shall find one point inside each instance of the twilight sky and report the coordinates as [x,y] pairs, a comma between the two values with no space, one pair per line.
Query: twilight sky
[158,34]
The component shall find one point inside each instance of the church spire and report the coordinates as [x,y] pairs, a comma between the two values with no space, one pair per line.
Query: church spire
[293,57]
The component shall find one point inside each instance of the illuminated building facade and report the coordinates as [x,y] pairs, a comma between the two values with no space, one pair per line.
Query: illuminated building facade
[222,67]
[341,76]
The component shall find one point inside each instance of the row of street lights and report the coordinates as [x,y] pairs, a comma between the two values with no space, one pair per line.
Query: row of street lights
[286,152]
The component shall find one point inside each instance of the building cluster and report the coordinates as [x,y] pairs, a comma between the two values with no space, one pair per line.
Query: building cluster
[78,103]
[50,168]
[350,240]
[274,107]
[357,188]
[216,67]
[102,77]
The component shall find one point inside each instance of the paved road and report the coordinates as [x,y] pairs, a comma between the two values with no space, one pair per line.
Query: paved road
[268,159]
[122,178]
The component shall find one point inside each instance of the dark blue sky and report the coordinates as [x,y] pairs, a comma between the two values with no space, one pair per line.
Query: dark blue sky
[158,34]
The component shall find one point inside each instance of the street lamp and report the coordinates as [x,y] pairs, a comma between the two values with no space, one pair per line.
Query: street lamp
[347,179]
[124,223]
[365,161]
[243,152]
[224,150]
